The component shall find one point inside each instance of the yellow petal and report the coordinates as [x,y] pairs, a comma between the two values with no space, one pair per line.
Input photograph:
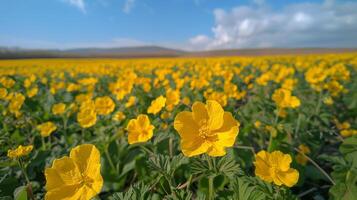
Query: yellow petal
[87,158]
[280,159]
[288,178]
[262,167]
[228,132]
[65,192]
[194,147]
[143,120]
[199,112]
[216,150]
[186,126]
[67,171]
[215,113]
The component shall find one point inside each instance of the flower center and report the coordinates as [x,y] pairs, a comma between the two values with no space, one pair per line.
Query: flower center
[204,130]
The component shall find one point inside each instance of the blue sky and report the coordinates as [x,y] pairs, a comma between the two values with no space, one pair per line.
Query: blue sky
[185,24]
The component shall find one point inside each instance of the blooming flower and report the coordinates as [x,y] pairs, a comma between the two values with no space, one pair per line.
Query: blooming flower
[131,102]
[58,108]
[157,105]
[16,102]
[207,129]
[275,167]
[75,177]
[173,98]
[140,129]
[46,128]
[118,116]
[3,93]
[104,105]
[32,92]
[284,99]
[87,117]
[19,151]
[300,158]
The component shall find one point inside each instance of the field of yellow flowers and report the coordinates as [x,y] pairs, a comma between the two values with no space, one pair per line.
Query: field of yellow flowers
[243,128]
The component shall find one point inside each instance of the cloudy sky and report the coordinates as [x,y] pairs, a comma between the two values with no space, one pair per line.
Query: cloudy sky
[184,24]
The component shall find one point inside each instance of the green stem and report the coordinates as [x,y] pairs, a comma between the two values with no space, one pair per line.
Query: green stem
[111,163]
[170,147]
[29,186]
[23,171]
[43,143]
[318,104]
[64,119]
[270,146]
[210,188]
[210,180]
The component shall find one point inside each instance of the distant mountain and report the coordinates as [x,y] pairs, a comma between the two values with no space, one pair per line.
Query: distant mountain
[156,51]
[121,52]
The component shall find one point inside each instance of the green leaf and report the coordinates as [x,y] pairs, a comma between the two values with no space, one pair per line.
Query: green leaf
[20,193]
[244,191]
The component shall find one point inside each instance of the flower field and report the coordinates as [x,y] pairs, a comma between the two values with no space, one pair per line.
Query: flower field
[245,128]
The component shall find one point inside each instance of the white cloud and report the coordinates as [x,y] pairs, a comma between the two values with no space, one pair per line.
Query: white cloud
[326,24]
[128,6]
[80,4]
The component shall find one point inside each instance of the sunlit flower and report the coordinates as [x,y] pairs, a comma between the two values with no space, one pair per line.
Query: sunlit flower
[284,99]
[157,105]
[104,105]
[300,158]
[119,116]
[275,167]
[46,128]
[131,101]
[19,151]
[75,177]
[59,108]
[87,117]
[207,129]
[139,129]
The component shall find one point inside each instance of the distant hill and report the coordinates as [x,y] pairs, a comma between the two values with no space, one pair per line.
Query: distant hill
[156,51]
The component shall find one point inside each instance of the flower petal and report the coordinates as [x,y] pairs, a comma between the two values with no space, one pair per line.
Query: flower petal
[86,157]
[186,126]
[194,147]
[199,112]
[289,178]
[65,192]
[215,113]
[63,170]
[216,150]
[228,132]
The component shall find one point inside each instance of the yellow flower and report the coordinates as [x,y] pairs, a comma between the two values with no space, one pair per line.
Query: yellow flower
[186,101]
[118,116]
[328,101]
[257,124]
[16,103]
[19,151]
[32,92]
[87,117]
[284,99]
[157,105]
[271,130]
[300,158]
[275,167]
[104,105]
[207,129]
[46,128]
[75,177]
[58,108]
[173,98]
[140,129]
[3,93]
[131,102]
